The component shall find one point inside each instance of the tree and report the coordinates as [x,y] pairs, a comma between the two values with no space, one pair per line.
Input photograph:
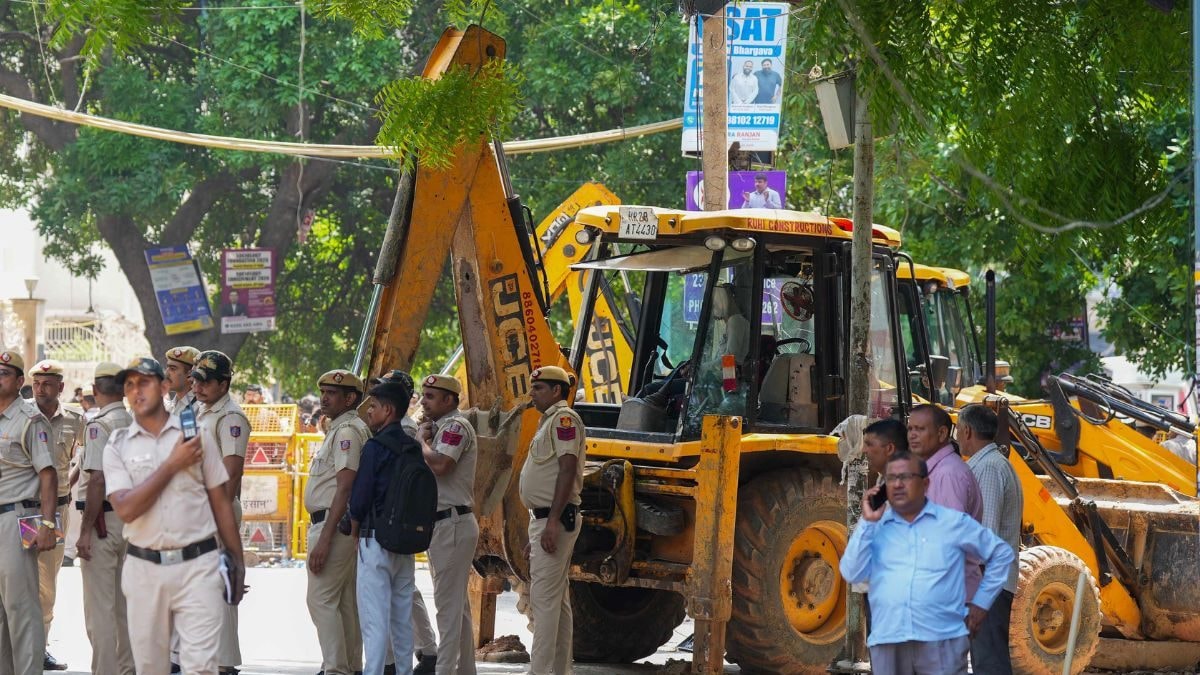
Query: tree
[1026,135]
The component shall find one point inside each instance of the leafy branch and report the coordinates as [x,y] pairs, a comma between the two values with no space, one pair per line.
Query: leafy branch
[429,119]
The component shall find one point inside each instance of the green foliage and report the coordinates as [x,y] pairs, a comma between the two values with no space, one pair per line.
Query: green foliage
[117,24]
[1010,117]
[371,19]
[415,110]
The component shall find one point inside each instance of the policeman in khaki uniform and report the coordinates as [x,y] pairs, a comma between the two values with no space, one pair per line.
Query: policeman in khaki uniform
[28,487]
[448,446]
[101,543]
[557,449]
[179,363]
[170,491]
[331,554]
[66,429]
[221,415]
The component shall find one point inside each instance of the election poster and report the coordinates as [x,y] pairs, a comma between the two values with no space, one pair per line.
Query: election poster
[247,290]
[746,190]
[757,33]
[182,302]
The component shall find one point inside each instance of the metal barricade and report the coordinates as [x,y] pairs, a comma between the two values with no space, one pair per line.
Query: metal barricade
[268,481]
[306,446]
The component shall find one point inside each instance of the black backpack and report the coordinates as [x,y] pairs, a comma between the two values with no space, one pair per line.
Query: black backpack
[404,521]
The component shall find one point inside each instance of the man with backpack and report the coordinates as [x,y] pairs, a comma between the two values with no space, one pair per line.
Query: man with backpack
[392,507]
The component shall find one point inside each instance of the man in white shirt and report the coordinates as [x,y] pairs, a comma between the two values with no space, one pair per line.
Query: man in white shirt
[743,86]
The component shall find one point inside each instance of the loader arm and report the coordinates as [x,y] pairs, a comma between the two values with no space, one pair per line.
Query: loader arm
[466,211]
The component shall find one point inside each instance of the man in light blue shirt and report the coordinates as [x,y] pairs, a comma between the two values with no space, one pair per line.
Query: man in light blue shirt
[913,555]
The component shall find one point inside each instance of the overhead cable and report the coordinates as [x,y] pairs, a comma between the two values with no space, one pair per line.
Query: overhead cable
[522,147]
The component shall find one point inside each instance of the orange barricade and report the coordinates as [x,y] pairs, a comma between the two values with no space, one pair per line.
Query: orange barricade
[269,481]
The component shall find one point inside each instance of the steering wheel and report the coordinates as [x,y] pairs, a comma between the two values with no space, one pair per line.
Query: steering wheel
[659,398]
[806,346]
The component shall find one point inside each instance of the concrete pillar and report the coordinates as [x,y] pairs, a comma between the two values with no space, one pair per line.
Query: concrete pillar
[31,311]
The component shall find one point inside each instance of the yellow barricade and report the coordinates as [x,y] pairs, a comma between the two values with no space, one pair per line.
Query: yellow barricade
[269,481]
[307,445]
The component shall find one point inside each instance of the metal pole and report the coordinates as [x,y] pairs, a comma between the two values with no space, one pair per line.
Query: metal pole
[714,97]
[1073,634]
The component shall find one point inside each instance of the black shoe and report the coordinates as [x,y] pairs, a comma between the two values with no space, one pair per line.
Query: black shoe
[175,668]
[51,663]
[389,669]
[426,663]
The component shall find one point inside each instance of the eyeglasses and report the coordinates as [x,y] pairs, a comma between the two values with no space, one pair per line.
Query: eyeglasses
[901,477]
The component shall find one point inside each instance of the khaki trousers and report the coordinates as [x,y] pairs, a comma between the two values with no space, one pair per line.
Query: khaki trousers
[188,596]
[22,635]
[104,603]
[550,601]
[424,640]
[450,554]
[49,563]
[333,606]
[229,654]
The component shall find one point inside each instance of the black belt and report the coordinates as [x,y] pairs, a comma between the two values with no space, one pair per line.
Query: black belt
[79,506]
[175,555]
[24,503]
[540,513]
[446,513]
[318,516]
[64,500]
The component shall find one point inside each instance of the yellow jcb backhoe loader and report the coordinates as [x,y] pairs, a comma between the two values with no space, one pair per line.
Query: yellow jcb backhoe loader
[712,486]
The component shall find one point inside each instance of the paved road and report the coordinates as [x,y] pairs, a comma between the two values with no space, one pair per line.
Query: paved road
[278,637]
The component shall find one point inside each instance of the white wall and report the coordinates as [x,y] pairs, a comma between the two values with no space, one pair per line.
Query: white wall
[21,257]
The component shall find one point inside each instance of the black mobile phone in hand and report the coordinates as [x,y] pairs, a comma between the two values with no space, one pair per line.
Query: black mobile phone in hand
[879,498]
[187,420]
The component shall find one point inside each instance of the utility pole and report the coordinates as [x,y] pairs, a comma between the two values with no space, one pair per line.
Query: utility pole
[714,97]
[861,266]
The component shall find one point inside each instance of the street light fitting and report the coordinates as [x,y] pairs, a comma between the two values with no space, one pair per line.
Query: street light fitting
[30,284]
[836,97]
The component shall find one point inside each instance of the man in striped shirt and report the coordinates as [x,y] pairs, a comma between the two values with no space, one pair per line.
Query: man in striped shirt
[1002,505]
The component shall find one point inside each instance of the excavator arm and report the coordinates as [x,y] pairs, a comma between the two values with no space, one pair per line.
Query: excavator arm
[467,211]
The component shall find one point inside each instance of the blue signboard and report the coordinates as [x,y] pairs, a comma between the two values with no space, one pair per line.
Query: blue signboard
[693,297]
[178,289]
[757,33]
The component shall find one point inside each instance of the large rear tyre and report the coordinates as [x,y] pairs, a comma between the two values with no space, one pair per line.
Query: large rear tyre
[621,625]
[789,612]
[1040,622]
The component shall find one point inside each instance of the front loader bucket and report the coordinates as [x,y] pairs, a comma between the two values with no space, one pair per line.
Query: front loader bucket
[1158,530]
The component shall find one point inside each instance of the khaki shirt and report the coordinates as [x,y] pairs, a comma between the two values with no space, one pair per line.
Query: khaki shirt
[181,515]
[341,449]
[454,437]
[228,423]
[24,451]
[560,432]
[96,434]
[174,404]
[66,430]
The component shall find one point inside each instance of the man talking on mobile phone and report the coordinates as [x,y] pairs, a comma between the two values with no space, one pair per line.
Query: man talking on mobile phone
[171,494]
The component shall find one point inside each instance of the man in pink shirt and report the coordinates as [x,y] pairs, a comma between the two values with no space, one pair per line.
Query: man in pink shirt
[951,482]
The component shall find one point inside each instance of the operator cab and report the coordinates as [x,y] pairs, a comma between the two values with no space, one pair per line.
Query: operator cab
[741,313]
[934,309]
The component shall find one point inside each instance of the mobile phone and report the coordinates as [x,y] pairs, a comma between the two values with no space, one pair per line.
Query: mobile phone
[879,498]
[187,420]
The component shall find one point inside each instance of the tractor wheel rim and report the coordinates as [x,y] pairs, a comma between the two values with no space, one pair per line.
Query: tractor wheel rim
[1050,622]
[813,595]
